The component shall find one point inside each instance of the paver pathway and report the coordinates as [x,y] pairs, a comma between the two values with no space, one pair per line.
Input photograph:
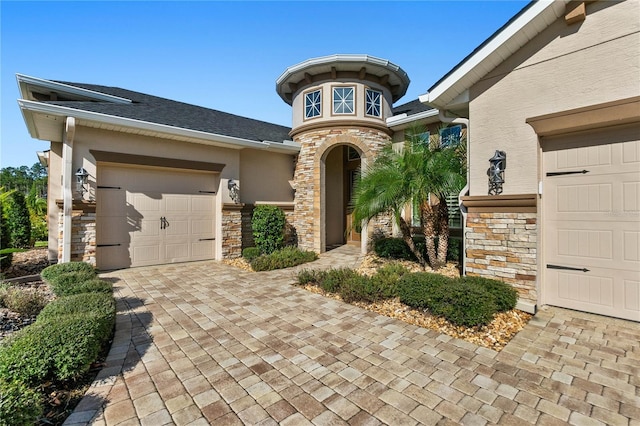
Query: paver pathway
[204,343]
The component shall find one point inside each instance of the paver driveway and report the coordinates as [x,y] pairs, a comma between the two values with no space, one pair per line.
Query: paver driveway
[205,343]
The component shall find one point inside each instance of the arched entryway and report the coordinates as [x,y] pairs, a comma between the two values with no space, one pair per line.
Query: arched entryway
[341,167]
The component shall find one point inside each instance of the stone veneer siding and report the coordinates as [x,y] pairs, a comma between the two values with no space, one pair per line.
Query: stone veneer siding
[232,231]
[315,145]
[83,236]
[504,246]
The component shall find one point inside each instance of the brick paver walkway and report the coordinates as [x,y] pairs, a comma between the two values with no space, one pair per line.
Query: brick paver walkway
[204,343]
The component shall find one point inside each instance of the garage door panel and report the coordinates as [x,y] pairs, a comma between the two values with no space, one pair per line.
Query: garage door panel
[177,227]
[202,249]
[591,222]
[159,216]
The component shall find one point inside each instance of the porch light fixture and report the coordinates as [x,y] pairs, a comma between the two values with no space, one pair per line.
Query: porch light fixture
[234,190]
[82,178]
[497,165]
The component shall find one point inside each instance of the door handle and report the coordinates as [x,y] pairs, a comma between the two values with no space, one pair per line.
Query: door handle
[164,223]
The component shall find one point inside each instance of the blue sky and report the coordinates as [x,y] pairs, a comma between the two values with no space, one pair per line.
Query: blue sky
[224,55]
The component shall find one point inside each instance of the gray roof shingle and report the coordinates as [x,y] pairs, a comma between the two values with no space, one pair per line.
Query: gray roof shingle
[158,110]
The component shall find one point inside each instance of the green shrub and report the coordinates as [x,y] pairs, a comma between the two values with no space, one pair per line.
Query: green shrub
[332,279]
[283,258]
[393,248]
[418,288]
[5,237]
[65,284]
[464,304]
[24,302]
[92,285]
[310,276]
[504,295]
[357,288]
[250,253]
[19,404]
[268,224]
[50,272]
[100,305]
[59,348]
[18,221]
[385,281]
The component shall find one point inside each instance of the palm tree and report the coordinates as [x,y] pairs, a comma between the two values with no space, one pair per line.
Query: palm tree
[423,174]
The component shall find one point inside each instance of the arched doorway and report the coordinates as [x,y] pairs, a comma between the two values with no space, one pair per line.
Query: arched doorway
[341,167]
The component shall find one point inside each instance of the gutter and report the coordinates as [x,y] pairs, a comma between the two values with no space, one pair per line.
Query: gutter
[213,138]
[400,119]
[24,80]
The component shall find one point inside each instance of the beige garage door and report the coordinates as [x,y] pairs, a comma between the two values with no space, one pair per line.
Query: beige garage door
[591,222]
[151,216]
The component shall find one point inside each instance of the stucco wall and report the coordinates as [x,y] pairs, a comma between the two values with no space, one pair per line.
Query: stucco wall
[265,176]
[564,67]
[327,104]
[87,139]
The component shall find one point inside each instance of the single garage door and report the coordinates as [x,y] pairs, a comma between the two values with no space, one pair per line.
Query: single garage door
[151,216]
[591,222]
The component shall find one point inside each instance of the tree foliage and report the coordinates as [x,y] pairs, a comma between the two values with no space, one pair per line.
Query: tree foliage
[423,173]
[18,220]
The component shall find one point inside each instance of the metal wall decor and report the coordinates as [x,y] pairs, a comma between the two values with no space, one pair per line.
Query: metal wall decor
[234,190]
[82,178]
[497,165]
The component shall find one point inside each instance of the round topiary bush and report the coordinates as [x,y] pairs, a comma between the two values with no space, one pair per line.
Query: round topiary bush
[268,224]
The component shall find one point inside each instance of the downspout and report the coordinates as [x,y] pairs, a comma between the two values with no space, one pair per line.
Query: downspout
[442,115]
[67,181]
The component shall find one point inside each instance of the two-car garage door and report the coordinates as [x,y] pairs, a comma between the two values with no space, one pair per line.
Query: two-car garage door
[591,222]
[149,216]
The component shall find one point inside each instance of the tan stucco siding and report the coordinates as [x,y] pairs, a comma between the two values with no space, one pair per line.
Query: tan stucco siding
[87,139]
[564,67]
[265,176]
[327,104]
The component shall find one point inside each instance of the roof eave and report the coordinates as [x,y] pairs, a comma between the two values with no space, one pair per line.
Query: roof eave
[402,121]
[24,81]
[510,38]
[29,108]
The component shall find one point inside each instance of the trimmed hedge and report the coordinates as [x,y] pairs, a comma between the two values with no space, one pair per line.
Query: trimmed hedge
[418,288]
[19,404]
[505,296]
[283,258]
[99,305]
[67,283]
[93,285]
[51,272]
[251,253]
[60,348]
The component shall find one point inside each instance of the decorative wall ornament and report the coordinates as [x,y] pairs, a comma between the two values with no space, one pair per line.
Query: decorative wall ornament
[82,178]
[497,165]
[234,190]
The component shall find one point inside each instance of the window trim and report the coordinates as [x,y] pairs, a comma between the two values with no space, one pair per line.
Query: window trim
[366,91]
[304,106]
[354,103]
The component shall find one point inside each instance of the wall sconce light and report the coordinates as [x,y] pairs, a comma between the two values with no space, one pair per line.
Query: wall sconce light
[497,165]
[82,178]
[234,190]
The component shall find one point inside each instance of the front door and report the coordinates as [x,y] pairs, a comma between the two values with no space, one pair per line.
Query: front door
[352,170]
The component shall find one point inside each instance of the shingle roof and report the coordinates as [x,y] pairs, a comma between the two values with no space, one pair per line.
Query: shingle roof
[411,108]
[158,110]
